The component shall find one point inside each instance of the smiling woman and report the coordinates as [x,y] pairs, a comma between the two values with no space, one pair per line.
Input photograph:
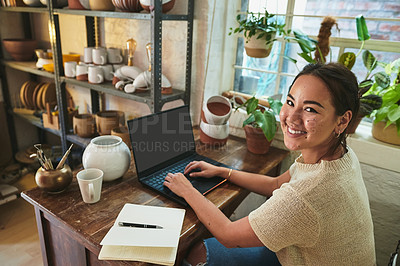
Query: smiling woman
[321,103]
[317,212]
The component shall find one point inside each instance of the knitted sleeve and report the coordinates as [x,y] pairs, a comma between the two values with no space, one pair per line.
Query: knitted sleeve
[284,220]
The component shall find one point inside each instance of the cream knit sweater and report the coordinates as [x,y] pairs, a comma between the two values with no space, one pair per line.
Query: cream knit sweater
[321,217]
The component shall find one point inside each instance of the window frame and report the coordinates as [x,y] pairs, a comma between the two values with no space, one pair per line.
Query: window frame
[339,42]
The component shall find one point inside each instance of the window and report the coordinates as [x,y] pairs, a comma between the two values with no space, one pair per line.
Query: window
[274,74]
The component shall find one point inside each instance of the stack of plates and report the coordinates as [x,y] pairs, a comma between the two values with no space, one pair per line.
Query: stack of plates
[34,95]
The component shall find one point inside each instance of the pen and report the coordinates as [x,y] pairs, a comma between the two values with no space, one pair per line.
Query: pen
[139,225]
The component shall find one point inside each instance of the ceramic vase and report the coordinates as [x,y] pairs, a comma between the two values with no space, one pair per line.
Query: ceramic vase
[108,153]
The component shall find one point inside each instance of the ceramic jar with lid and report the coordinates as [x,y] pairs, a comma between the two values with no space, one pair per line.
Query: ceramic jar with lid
[109,154]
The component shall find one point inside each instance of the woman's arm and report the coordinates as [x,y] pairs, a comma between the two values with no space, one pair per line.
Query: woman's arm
[228,233]
[260,184]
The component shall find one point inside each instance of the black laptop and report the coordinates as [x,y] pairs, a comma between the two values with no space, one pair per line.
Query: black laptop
[163,143]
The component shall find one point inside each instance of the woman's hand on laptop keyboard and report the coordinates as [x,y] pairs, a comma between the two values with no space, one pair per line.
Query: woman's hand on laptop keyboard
[178,183]
[203,169]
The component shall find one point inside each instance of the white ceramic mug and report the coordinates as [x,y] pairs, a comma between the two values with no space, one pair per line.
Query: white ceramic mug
[95,74]
[82,72]
[90,181]
[114,55]
[99,55]
[216,110]
[108,72]
[70,69]
[87,55]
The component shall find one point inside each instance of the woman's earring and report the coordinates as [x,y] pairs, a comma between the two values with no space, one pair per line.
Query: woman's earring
[338,135]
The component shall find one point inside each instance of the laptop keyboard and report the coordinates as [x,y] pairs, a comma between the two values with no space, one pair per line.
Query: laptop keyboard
[157,179]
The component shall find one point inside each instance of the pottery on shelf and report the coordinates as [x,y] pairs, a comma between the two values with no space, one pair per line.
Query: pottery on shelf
[167,5]
[20,49]
[128,5]
[57,3]
[109,154]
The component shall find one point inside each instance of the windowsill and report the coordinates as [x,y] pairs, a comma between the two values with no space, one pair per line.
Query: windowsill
[372,151]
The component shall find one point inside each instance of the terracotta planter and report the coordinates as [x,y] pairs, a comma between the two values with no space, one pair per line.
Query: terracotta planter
[256,141]
[257,47]
[388,135]
[352,127]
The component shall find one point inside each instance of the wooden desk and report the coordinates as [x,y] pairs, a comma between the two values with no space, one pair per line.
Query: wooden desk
[70,231]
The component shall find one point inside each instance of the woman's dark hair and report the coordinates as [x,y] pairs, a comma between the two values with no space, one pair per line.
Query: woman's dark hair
[343,87]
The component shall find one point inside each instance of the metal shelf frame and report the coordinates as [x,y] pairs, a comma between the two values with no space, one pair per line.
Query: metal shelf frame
[153,98]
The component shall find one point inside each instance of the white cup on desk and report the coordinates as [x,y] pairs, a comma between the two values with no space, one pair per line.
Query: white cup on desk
[90,182]
[95,74]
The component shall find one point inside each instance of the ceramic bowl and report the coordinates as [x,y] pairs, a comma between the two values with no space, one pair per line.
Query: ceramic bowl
[216,110]
[20,49]
[167,5]
[33,3]
[75,4]
[58,3]
[104,5]
[128,5]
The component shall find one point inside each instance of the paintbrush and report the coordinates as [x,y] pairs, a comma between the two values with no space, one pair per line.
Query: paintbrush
[64,158]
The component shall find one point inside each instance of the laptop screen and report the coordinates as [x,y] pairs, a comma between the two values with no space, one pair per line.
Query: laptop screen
[160,137]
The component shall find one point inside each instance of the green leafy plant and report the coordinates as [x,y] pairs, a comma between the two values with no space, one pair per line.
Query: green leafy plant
[261,117]
[390,93]
[348,59]
[262,26]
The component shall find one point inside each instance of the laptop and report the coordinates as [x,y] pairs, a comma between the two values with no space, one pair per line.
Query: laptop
[163,143]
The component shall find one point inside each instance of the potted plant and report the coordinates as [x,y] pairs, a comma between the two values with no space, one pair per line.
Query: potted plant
[260,127]
[386,125]
[369,100]
[260,32]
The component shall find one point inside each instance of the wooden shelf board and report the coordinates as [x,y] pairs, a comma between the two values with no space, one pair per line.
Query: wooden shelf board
[34,120]
[29,67]
[108,88]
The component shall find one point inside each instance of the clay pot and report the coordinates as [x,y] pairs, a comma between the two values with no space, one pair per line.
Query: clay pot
[128,5]
[84,125]
[20,49]
[256,141]
[123,133]
[54,181]
[104,5]
[107,120]
[167,5]
[388,135]
[75,4]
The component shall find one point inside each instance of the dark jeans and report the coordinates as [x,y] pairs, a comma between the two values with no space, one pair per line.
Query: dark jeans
[218,255]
